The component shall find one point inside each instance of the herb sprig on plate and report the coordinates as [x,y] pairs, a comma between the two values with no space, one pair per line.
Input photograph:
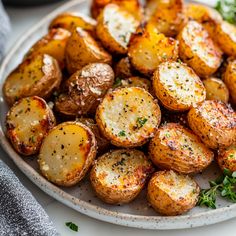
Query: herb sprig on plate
[227,8]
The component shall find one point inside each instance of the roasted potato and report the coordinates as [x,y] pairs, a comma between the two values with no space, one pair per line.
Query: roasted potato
[131,6]
[102,143]
[197,49]
[176,148]
[53,44]
[114,28]
[227,158]
[168,16]
[226,38]
[229,77]
[148,48]
[123,68]
[27,123]
[118,176]
[170,193]
[214,122]
[82,49]
[177,86]
[128,116]
[67,153]
[39,75]
[216,89]
[71,20]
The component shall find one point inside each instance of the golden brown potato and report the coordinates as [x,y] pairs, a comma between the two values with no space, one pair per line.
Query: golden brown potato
[171,193]
[148,48]
[227,158]
[128,116]
[118,176]
[71,20]
[114,28]
[177,86]
[197,49]
[229,77]
[168,16]
[28,122]
[123,69]
[53,44]
[214,122]
[177,148]
[39,75]
[82,49]
[225,36]
[67,153]
[216,89]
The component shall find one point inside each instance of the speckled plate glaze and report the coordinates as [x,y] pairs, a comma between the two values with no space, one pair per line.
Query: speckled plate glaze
[81,197]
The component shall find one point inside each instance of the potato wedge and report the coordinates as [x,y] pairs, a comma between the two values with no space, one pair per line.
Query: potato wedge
[216,89]
[176,148]
[168,16]
[28,122]
[177,86]
[118,176]
[229,77]
[123,69]
[71,20]
[82,49]
[67,153]
[227,158]
[114,28]
[53,44]
[171,193]
[197,49]
[226,38]
[39,75]
[214,122]
[128,116]
[148,48]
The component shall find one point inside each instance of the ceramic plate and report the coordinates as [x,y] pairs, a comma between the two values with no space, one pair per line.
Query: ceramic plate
[81,197]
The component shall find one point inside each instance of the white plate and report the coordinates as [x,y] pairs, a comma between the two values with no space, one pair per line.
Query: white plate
[81,197]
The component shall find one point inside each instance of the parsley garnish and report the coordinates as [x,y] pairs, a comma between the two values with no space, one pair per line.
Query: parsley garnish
[141,122]
[117,82]
[72,226]
[224,185]
[227,8]
[122,133]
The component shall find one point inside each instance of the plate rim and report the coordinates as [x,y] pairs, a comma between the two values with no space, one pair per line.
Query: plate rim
[94,211]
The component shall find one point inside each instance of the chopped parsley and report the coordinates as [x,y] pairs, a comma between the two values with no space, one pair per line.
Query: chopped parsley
[122,133]
[117,82]
[141,122]
[72,226]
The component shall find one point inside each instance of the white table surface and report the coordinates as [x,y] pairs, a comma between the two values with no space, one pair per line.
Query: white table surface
[22,19]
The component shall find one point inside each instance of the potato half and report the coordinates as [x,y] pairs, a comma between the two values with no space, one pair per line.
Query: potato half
[82,49]
[28,122]
[39,75]
[214,122]
[114,28]
[148,48]
[177,148]
[197,49]
[118,176]
[128,116]
[67,153]
[171,193]
[177,86]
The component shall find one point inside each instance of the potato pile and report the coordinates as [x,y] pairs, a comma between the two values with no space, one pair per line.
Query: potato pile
[139,95]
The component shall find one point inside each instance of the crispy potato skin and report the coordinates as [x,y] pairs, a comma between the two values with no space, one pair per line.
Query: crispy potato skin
[124,69]
[27,123]
[177,148]
[177,86]
[82,49]
[229,77]
[128,116]
[172,194]
[197,49]
[53,44]
[67,153]
[35,76]
[118,176]
[214,122]
[216,89]
[114,28]
[148,48]
[227,158]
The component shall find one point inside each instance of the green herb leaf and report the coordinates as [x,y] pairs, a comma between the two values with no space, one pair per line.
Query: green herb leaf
[117,82]
[122,133]
[141,122]
[72,226]
[227,8]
